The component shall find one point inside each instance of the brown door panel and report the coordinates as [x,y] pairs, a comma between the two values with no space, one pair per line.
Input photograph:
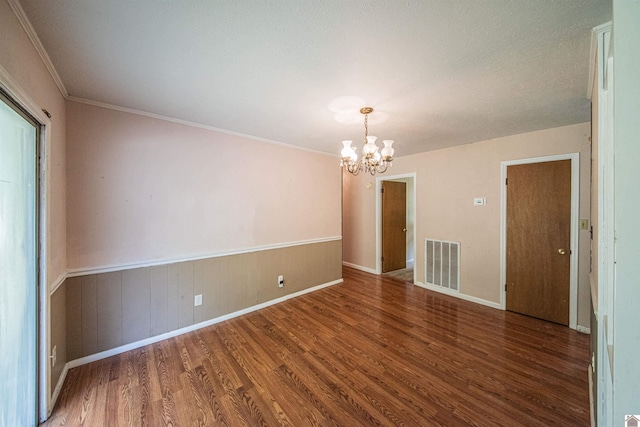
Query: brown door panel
[538,239]
[394,225]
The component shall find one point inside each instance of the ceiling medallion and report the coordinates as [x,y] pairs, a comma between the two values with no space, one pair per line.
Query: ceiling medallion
[372,161]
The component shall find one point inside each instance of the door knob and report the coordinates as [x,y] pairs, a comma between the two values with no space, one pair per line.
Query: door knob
[561,251]
[404,229]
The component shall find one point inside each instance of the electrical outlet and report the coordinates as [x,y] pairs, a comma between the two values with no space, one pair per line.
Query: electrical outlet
[197,300]
[281,281]
[53,356]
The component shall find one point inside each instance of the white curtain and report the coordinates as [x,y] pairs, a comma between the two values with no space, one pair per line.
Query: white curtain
[18,261]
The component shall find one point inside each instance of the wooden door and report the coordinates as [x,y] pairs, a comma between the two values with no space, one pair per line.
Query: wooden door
[538,239]
[394,225]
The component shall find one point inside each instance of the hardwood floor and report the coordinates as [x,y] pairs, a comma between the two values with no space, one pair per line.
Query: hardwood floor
[370,351]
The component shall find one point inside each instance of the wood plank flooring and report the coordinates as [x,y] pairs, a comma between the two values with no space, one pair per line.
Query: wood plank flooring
[372,351]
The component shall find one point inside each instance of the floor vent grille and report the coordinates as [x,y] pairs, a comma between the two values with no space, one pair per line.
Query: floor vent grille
[442,263]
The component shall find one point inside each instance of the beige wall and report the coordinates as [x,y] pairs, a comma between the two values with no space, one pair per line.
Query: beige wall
[108,310]
[143,189]
[147,190]
[447,180]
[20,60]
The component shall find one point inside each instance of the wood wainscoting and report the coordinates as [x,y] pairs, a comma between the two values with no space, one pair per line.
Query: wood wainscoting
[370,351]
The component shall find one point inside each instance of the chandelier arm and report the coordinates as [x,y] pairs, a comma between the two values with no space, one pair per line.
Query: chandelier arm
[352,167]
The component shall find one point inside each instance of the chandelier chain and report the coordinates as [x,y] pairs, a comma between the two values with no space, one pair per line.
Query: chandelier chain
[366,127]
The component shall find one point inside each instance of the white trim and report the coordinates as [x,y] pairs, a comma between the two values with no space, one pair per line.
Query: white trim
[46,406]
[18,11]
[592,402]
[13,89]
[56,391]
[604,371]
[56,284]
[379,180]
[593,62]
[359,267]
[73,272]
[457,294]
[575,211]
[583,329]
[132,346]
[11,86]
[192,124]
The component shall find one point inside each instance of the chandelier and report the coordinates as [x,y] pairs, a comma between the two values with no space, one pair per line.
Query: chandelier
[372,161]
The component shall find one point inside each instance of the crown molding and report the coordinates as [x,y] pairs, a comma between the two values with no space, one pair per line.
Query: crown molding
[20,14]
[37,44]
[189,123]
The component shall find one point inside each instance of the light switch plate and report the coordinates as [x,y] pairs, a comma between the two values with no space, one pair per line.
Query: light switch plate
[197,300]
[479,201]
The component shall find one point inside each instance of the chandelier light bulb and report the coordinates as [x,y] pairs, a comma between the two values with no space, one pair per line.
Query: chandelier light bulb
[346,149]
[370,147]
[387,150]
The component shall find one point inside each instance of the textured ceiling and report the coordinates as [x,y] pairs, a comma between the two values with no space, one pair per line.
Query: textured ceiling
[442,72]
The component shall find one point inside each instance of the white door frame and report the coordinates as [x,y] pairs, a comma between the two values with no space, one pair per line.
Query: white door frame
[379,180]
[11,87]
[575,200]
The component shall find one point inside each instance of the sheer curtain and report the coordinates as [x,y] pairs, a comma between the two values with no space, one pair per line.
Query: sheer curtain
[18,269]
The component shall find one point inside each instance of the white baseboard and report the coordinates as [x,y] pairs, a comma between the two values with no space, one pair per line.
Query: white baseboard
[583,329]
[132,346]
[359,267]
[459,295]
[56,391]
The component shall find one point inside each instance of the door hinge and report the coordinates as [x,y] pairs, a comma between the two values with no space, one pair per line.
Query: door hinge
[505,287]
[382,190]
[506,181]
[382,259]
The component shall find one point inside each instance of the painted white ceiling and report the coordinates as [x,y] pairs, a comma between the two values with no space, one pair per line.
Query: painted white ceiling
[444,72]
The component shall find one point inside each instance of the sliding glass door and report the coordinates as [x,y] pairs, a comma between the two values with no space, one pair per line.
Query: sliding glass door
[18,267]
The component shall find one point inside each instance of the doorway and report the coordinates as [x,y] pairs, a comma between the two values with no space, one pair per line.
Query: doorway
[400,234]
[19,291]
[539,238]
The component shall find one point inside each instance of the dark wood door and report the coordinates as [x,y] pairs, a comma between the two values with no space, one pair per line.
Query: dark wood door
[538,239]
[394,225]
